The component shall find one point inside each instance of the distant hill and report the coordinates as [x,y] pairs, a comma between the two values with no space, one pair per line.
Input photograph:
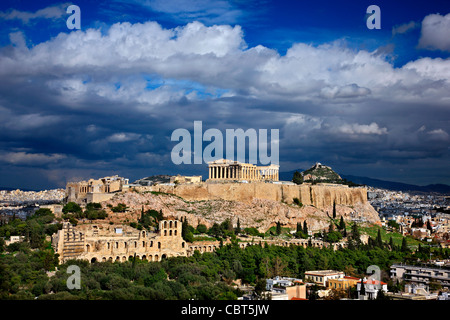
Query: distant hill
[319,172]
[398,186]
[376,183]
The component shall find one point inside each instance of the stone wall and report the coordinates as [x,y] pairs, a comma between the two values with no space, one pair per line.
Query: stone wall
[319,196]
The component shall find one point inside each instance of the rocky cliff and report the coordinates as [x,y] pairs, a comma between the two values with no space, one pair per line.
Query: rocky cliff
[259,205]
[319,196]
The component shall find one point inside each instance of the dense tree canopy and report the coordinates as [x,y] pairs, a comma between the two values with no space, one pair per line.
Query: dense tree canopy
[24,265]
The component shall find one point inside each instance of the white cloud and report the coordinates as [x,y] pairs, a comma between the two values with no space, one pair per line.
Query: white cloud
[51,12]
[435,32]
[404,28]
[216,57]
[438,134]
[349,91]
[123,137]
[356,128]
[24,158]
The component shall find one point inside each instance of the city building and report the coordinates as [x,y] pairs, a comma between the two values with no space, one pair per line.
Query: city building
[371,288]
[321,277]
[342,283]
[223,169]
[421,275]
[414,292]
[284,288]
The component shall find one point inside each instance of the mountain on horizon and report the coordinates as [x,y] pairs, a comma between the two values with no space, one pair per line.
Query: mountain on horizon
[382,184]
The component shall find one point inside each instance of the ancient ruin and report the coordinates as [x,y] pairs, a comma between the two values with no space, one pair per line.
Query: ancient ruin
[94,190]
[224,169]
[104,242]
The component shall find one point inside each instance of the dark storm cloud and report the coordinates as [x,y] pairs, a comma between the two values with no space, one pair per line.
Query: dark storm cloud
[88,103]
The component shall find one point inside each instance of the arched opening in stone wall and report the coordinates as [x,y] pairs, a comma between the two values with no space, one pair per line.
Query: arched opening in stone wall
[93,260]
[164,256]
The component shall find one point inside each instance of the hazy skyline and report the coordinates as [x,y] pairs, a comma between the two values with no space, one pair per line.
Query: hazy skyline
[105,99]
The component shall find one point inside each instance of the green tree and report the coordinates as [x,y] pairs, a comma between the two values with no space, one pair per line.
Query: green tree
[305,228]
[72,207]
[342,224]
[334,209]
[121,207]
[298,178]
[201,228]
[362,290]
[238,227]
[333,236]
[278,228]
[379,241]
[354,241]
[404,247]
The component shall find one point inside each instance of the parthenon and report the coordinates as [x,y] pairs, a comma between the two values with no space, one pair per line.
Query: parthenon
[224,169]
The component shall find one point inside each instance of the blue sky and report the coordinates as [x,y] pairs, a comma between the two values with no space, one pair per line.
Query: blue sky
[105,99]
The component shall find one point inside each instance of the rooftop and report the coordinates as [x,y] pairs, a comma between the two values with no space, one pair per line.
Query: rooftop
[323,272]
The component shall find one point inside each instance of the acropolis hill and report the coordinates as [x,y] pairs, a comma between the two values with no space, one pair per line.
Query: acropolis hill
[235,191]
